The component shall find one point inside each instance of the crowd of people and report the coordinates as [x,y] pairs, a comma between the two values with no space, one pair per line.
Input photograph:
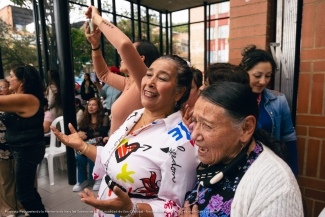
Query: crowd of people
[164,140]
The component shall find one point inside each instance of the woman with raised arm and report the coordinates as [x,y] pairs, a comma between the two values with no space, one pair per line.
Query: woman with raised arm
[135,58]
[23,119]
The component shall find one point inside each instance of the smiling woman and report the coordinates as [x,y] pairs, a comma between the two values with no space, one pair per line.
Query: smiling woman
[151,156]
[275,117]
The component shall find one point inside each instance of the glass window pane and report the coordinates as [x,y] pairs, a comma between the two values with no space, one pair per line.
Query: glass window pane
[197,45]
[77,14]
[107,5]
[143,14]
[108,17]
[154,17]
[163,17]
[155,35]
[136,30]
[110,53]
[124,25]
[180,17]
[135,11]
[223,8]
[196,14]
[123,8]
[223,31]
[144,30]
[85,2]
[180,42]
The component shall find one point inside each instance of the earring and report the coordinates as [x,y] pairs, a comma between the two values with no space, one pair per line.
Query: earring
[175,104]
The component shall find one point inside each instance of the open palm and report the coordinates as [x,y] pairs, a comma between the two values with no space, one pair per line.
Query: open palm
[73,140]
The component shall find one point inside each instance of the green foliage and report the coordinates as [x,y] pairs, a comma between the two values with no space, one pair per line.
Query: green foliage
[180,29]
[81,50]
[16,47]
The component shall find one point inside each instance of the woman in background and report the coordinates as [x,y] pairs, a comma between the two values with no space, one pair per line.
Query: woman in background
[23,119]
[87,88]
[53,93]
[275,116]
[79,110]
[93,126]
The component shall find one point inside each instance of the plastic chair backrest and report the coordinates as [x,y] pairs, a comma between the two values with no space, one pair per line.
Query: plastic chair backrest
[53,137]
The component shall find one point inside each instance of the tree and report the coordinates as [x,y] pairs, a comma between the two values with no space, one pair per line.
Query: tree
[17,47]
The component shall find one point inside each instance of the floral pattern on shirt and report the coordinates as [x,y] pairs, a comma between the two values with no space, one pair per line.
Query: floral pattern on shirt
[216,201]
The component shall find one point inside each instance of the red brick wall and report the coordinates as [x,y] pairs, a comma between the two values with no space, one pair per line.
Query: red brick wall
[310,124]
[251,22]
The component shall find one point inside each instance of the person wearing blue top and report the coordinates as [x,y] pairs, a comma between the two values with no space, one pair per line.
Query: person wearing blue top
[275,116]
[110,94]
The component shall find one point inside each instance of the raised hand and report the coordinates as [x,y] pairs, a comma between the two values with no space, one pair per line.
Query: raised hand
[73,140]
[121,203]
[91,13]
[93,37]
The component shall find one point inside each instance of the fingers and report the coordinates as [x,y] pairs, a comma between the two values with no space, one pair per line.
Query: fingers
[57,133]
[120,193]
[71,128]
[195,210]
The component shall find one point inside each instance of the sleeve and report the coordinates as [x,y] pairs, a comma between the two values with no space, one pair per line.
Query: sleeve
[178,177]
[104,74]
[51,96]
[99,170]
[127,51]
[48,116]
[102,131]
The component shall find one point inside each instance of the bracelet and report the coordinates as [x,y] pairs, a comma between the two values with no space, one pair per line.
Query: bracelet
[133,211]
[97,48]
[83,151]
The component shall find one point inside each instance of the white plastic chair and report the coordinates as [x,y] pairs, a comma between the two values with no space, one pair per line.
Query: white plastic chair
[53,151]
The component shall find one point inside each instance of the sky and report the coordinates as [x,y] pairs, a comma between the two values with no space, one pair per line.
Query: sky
[5,3]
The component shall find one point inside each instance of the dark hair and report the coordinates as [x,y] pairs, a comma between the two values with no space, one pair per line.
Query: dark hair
[54,79]
[239,101]
[45,102]
[77,100]
[86,117]
[252,56]
[147,49]
[89,79]
[183,77]
[226,72]
[32,82]
[197,77]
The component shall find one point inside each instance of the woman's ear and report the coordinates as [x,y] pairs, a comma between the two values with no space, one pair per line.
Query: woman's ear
[179,93]
[143,57]
[248,128]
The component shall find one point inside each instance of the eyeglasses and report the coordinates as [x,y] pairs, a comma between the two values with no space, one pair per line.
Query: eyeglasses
[2,87]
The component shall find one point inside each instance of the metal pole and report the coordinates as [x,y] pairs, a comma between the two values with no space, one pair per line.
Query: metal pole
[38,46]
[44,37]
[63,38]
[139,19]
[205,36]
[1,66]
[161,48]
[167,37]
[102,44]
